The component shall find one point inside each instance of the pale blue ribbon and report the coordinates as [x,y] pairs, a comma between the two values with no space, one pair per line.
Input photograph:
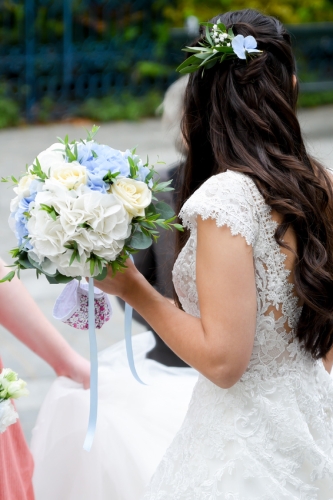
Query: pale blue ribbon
[94,360]
[93,369]
[128,339]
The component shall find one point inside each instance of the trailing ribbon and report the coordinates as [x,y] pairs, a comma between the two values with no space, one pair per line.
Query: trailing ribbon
[128,339]
[94,361]
[93,369]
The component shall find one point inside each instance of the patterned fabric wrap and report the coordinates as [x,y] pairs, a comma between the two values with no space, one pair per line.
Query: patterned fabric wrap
[71,306]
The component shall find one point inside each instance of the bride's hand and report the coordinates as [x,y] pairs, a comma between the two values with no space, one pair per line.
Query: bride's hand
[120,283]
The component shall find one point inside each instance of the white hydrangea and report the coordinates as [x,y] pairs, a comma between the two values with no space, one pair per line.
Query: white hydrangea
[8,415]
[97,222]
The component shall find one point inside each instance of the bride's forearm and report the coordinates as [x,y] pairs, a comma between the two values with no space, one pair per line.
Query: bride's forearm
[183,333]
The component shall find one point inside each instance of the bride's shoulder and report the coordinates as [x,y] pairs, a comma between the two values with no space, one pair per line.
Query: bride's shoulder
[231,198]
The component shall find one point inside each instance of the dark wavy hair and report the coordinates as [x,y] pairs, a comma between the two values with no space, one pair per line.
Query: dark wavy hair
[241,115]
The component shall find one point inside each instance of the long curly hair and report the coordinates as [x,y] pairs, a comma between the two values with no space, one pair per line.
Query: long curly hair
[241,115]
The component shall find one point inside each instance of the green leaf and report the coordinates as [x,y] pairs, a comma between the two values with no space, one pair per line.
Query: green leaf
[25,262]
[102,274]
[71,156]
[110,177]
[225,50]
[71,260]
[92,266]
[179,227]
[14,252]
[8,277]
[186,71]
[60,278]
[163,186]
[222,27]
[211,63]
[208,37]
[188,62]
[53,215]
[52,280]
[165,211]
[204,56]
[196,49]
[150,209]
[38,267]
[91,134]
[139,241]
[231,33]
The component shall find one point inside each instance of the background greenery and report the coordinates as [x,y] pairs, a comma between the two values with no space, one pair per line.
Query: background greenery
[140,44]
[288,11]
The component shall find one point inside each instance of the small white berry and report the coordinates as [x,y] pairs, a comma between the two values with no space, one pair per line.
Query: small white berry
[215,27]
[228,44]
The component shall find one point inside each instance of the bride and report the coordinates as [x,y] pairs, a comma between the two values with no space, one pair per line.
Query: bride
[254,278]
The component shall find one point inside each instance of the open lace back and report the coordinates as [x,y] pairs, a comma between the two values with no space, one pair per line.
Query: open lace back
[289,257]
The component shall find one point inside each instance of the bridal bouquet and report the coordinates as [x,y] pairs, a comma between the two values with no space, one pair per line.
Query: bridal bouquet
[82,206]
[11,387]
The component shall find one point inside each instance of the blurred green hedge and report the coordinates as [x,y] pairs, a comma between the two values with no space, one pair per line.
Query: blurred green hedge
[288,11]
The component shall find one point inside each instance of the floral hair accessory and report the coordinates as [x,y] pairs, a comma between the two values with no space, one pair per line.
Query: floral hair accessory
[218,45]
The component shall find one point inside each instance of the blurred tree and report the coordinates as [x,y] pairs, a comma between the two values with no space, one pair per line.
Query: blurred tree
[288,11]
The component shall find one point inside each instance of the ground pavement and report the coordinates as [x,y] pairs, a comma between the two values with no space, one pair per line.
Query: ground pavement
[18,147]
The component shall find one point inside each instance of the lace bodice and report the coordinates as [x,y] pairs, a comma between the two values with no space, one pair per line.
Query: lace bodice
[232,199]
[270,436]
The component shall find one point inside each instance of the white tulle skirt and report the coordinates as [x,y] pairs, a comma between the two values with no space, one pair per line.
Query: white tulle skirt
[135,426]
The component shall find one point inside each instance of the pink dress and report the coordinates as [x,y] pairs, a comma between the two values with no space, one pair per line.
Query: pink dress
[16,464]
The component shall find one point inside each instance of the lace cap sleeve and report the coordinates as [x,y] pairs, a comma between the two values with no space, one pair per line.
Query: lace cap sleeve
[228,199]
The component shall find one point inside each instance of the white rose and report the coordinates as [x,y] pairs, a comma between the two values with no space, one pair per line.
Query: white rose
[135,195]
[8,415]
[23,188]
[69,175]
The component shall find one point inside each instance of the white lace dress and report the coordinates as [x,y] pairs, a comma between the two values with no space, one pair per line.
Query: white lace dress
[270,436]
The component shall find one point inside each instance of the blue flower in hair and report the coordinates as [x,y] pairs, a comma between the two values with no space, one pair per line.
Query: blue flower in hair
[243,45]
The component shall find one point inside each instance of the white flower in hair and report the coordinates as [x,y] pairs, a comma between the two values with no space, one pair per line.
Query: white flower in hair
[243,45]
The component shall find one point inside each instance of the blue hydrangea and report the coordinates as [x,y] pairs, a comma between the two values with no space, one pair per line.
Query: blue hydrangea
[243,45]
[35,186]
[21,222]
[99,160]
